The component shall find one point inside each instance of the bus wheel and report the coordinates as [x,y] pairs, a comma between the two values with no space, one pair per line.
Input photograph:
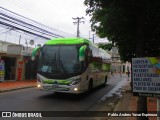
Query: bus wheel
[90,86]
[105,82]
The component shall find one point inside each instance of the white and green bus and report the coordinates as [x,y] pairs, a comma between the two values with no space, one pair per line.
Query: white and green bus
[71,65]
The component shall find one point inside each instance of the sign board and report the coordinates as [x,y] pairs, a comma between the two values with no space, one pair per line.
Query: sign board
[146,76]
[2,70]
[14,49]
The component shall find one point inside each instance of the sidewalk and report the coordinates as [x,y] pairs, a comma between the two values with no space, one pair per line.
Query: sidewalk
[14,85]
[129,103]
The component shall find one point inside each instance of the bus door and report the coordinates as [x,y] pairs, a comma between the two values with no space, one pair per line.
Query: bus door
[95,72]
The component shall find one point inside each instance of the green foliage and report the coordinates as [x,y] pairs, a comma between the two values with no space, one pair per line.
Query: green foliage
[107,46]
[133,25]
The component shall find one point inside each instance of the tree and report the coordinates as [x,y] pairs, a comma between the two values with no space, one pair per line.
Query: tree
[107,46]
[133,25]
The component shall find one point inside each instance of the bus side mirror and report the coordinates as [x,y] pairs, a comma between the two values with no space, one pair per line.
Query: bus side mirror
[82,53]
[35,52]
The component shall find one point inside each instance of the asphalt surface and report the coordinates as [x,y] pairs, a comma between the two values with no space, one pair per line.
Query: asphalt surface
[31,99]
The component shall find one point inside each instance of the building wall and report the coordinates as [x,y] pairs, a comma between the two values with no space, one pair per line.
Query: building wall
[3,46]
[14,63]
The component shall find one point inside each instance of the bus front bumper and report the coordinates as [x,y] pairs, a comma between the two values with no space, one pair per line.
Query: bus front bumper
[74,89]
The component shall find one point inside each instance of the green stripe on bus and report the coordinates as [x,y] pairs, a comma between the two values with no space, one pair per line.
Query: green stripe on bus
[82,52]
[62,82]
[67,41]
[34,52]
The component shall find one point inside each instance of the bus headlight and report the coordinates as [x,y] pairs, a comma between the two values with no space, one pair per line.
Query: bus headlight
[75,89]
[76,81]
[38,85]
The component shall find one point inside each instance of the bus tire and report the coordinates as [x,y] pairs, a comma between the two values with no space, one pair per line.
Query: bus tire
[105,81]
[90,86]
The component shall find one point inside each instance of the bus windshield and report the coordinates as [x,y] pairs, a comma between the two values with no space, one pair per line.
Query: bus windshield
[59,61]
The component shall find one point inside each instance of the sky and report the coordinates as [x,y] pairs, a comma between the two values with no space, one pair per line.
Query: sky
[57,14]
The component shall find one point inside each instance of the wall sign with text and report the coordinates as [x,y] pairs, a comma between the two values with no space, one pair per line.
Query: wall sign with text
[146,76]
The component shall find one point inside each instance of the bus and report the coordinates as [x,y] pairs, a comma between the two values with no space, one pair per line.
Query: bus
[71,65]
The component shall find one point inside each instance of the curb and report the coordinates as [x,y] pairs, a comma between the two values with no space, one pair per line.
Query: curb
[126,90]
[12,89]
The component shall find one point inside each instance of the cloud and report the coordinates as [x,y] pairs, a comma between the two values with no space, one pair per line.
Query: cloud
[54,13]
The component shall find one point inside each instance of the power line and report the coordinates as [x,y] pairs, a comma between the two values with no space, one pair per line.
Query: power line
[20,22]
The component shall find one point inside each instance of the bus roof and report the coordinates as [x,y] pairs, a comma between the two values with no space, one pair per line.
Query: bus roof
[67,41]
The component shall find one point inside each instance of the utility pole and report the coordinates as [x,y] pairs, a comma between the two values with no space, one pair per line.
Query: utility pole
[93,37]
[89,35]
[78,21]
[19,39]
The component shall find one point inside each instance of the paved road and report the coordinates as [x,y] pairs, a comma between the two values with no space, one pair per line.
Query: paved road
[32,99]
